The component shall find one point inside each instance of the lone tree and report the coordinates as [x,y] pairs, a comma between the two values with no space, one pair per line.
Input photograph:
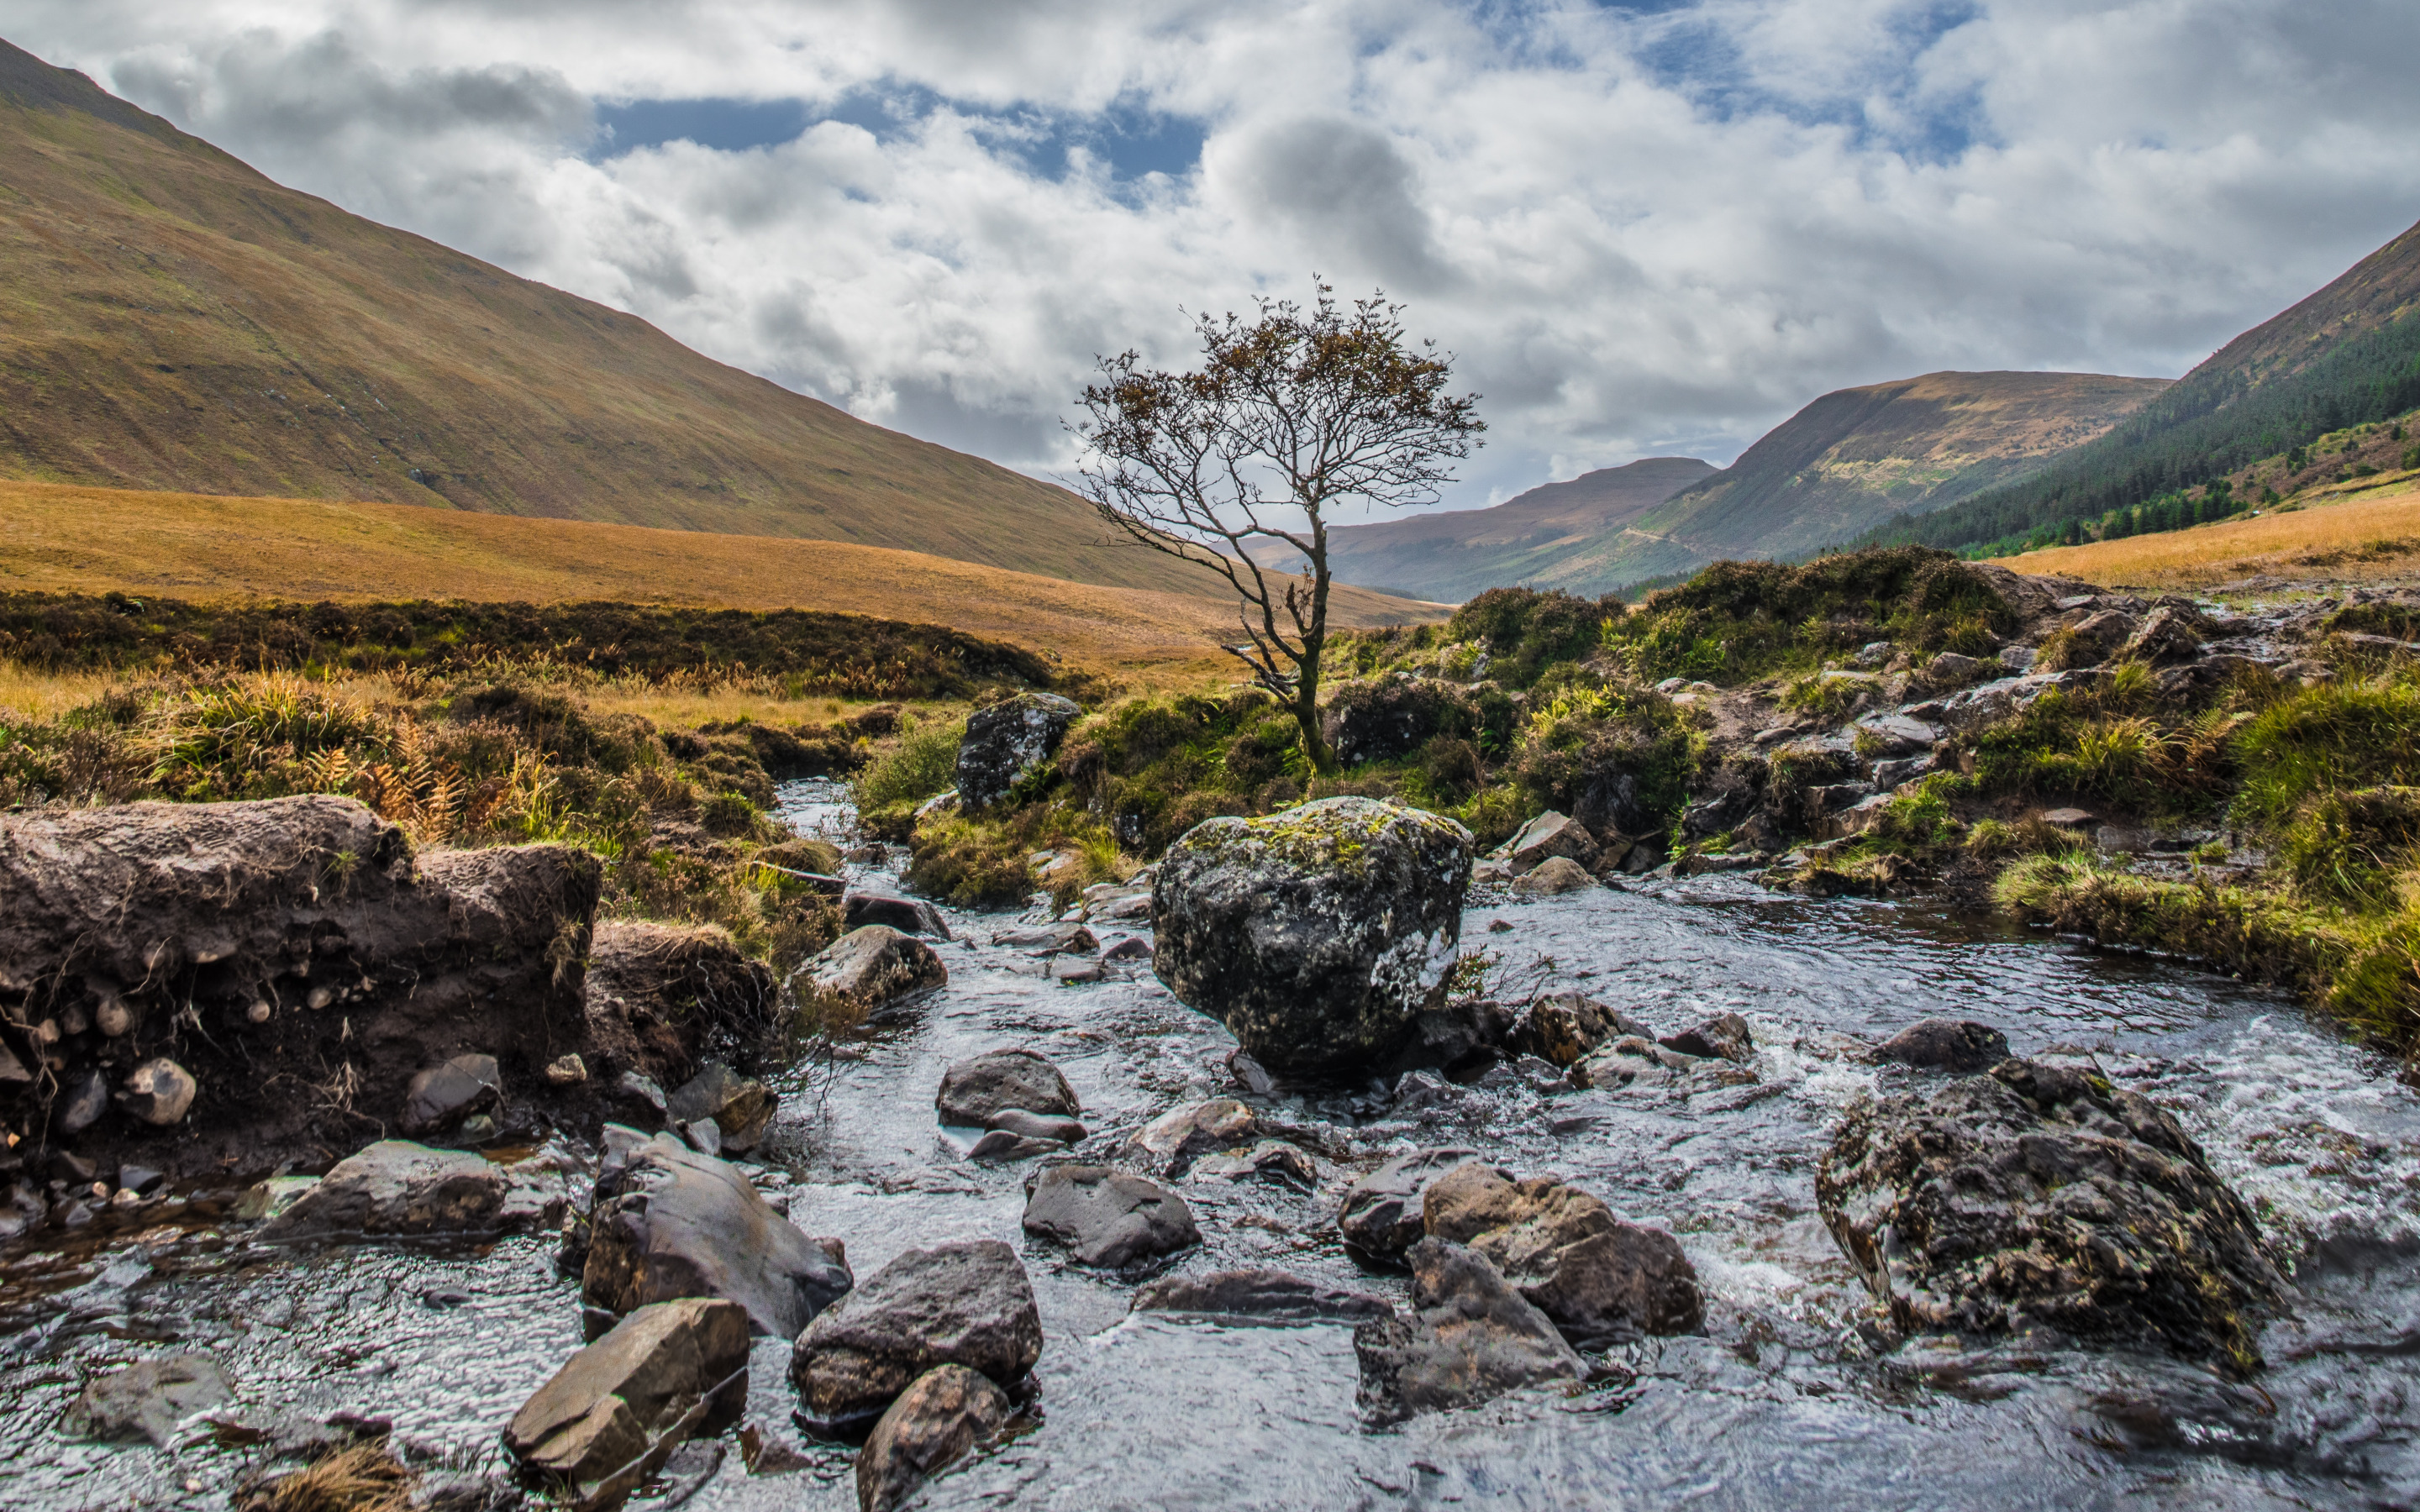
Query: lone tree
[1237,465]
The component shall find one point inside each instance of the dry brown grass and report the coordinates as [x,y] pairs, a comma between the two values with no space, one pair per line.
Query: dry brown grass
[67,538]
[2369,536]
[365,1479]
[32,695]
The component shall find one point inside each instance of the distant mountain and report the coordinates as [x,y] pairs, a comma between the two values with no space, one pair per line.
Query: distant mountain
[171,319]
[1839,467]
[1541,538]
[2349,354]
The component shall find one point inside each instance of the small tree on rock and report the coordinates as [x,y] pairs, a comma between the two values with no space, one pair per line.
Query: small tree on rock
[1239,465]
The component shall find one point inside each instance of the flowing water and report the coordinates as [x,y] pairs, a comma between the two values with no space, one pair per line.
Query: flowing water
[1790,1398]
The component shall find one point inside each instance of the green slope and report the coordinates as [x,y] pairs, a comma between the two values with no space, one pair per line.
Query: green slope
[2348,355]
[171,319]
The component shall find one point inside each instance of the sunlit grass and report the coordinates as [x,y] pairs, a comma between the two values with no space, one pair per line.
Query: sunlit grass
[28,694]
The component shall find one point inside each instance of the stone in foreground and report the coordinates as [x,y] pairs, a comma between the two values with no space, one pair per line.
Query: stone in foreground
[1317,936]
[1107,1218]
[2039,1195]
[1470,1337]
[947,1412]
[637,1394]
[967,1303]
[976,1090]
[1007,742]
[669,1222]
[398,1188]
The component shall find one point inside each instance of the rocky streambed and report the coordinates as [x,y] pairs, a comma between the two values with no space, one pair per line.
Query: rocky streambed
[1787,1387]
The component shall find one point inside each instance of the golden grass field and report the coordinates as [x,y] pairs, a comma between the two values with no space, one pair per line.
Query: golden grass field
[2371,535]
[71,539]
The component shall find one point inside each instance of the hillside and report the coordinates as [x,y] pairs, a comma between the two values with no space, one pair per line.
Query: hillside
[2372,536]
[171,319]
[2348,355]
[71,539]
[1541,538]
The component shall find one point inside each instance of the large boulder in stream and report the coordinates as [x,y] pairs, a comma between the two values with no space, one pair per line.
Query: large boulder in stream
[2041,1196]
[293,942]
[967,1303]
[869,967]
[669,1222]
[394,1189]
[1470,1337]
[1317,936]
[657,1378]
[977,1090]
[1007,742]
[1108,1218]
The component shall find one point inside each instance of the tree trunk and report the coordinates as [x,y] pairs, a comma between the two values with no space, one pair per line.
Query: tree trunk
[1314,640]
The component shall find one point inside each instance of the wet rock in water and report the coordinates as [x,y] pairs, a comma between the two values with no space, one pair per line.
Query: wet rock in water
[661,997]
[659,1376]
[968,1304]
[870,966]
[1270,1158]
[1563,1027]
[1317,936]
[908,916]
[1007,742]
[1555,875]
[216,932]
[1471,1337]
[1960,1045]
[1277,1296]
[398,1188]
[947,1412]
[149,1399]
[1601,1280]
[739,1106]
[1069,937]
[976,1090]
[1549,835]
[1000,1144]
[1107,1218]
[442,1096]
[1250,1074]
[1724,1037]
[669,1222]
[1168,1145]
[1030,1125]
[1075,971]
[1632,1060]
[2039,1195]
[1133,947]
[1384,1212]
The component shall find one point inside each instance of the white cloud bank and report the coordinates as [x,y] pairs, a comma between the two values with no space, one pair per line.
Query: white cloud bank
[1644,230]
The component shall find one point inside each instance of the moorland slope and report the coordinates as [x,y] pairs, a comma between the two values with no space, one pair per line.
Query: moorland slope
[171,319]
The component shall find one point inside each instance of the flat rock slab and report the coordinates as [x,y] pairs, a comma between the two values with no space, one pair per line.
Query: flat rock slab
[149,1399]
[396,1188]
[937,1420]
[967,1303]
[636,1391]
[1259,1293]
[1107,1218]
[669,1222]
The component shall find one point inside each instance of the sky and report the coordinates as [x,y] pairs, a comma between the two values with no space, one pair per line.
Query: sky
[1653,229]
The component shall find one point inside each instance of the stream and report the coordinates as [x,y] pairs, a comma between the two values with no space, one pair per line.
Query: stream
[1790,1398]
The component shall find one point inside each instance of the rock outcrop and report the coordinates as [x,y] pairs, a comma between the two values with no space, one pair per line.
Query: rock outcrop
[620,1406]
[304,940]
[1470,1337]
[2040,1196]
[1317,936]
[669,1222]
[1008,740]
[967,1303]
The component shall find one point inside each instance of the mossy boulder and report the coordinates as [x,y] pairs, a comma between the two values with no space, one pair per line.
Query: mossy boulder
[2041,1196]
[1007,742]
[1317,936]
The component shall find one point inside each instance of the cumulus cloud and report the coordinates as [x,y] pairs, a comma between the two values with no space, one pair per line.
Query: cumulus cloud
[1644,229]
